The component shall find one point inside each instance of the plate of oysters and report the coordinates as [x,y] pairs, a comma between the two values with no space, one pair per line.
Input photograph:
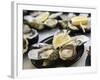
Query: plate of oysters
[55,39]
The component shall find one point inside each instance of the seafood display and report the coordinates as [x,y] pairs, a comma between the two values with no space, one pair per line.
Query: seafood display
[62,20]
[45,46]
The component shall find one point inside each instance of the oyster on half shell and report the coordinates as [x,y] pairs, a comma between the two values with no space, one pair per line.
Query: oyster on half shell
[37,22]
[43,51]
[67,52]
[30,34]
[48,53]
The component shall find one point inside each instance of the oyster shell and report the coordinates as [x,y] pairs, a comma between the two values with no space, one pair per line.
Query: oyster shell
[26,29]
[80,39]
[64,17]
[55,15]
[34,53]
[51,23]
[44,52]
[38,26]
[25,45]
[30,34]
[81,22]
[84,14]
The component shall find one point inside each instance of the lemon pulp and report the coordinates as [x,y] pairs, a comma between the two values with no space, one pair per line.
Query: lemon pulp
[60,39]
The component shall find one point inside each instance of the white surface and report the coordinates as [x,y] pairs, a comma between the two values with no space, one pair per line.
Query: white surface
[5,43]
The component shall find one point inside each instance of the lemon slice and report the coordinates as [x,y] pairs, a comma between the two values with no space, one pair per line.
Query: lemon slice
[60,39]
[42,17]
[79,19]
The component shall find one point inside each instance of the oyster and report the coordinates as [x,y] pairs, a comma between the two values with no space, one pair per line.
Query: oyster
[30,34]
[67,52]
[80,22]
[80,39]
[37,22]
[48,53]
[44,52]
[51,23]
[36,25]
[35,51]
[26,29]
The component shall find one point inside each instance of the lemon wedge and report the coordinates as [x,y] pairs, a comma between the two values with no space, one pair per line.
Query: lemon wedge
[42,17]
[60,39]
[79,19]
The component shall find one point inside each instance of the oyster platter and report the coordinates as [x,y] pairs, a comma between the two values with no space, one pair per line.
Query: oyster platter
[55,39]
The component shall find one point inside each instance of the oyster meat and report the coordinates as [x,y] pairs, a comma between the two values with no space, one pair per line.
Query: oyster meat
[67,52]
[49,53]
